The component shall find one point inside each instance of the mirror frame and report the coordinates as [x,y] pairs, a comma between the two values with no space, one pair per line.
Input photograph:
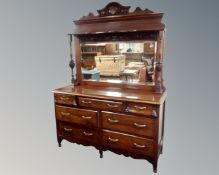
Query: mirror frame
[137,25]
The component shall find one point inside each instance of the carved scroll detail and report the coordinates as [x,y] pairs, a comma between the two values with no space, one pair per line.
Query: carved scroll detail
[114,8]
[139,10]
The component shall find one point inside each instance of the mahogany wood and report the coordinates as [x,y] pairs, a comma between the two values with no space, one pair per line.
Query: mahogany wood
[65,99]
[124,118]
[116,106]
[103,112]
[69,132]
[78,116]
[137,125]
[131,144]
[113,93]
[78,60]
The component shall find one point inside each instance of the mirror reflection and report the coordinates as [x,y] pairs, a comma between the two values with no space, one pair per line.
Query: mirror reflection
[119,61]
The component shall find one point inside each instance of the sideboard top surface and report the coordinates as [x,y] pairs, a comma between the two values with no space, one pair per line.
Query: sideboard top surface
[114,93]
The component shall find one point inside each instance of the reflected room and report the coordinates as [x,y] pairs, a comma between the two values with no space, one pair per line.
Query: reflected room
[131,62]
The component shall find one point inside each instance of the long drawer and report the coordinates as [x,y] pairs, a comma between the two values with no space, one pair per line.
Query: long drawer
[101,104]
[142,126]
[80,134]
[128,143]
[77,116]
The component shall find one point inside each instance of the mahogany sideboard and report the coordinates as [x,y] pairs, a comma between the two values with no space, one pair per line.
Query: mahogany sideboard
[125,117]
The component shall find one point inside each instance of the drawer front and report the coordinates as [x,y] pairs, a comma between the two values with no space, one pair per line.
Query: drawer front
[101,104]
[80,134]
[65,99]
[141,108]
[128,143]
[130,124]
[77,116]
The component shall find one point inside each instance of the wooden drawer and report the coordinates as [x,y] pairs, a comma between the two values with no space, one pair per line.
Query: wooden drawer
[140,108]
[77,116]
[65,99]
[128,143]
[101,104]
[130,124]
[80,134]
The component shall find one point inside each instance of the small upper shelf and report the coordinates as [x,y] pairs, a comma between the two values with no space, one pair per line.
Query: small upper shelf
[117,18]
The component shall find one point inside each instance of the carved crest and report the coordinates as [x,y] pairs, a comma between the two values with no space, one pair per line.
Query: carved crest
[139,10]
[114,8]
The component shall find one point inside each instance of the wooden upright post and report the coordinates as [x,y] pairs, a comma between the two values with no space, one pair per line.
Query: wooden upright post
[78,60]
[159,86]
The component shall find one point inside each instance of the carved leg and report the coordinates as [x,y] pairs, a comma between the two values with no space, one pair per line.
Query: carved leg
[155,168]
[59,142]
[60,145]
[101,154]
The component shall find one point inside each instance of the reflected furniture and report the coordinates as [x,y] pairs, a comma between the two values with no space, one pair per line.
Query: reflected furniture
[91,74]
[129,74]
[124,117]
[110,65]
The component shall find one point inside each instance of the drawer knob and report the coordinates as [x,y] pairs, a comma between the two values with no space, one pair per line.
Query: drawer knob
[139,125]
[65,113]
[139,146]
[113,140]
[88,133]
[113,121]
[112,106]
[140,108]
[67,129]
[86,102]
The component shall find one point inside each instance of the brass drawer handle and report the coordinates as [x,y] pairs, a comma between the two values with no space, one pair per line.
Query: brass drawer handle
[88,133]
[112,106]
[65,113]
[86,102]
[140,108]
[139,126]
[139,146]
[85,117]
[67,129]
[113,121]
[113,140]
[64,98]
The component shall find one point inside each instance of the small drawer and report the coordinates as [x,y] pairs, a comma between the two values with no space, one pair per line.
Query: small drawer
[138,125]
[141,108]
[77,116]
[101,104]
[128,143]
[80,134]
[65,99]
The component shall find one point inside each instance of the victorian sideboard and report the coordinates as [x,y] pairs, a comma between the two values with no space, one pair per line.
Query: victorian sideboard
[125,116]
